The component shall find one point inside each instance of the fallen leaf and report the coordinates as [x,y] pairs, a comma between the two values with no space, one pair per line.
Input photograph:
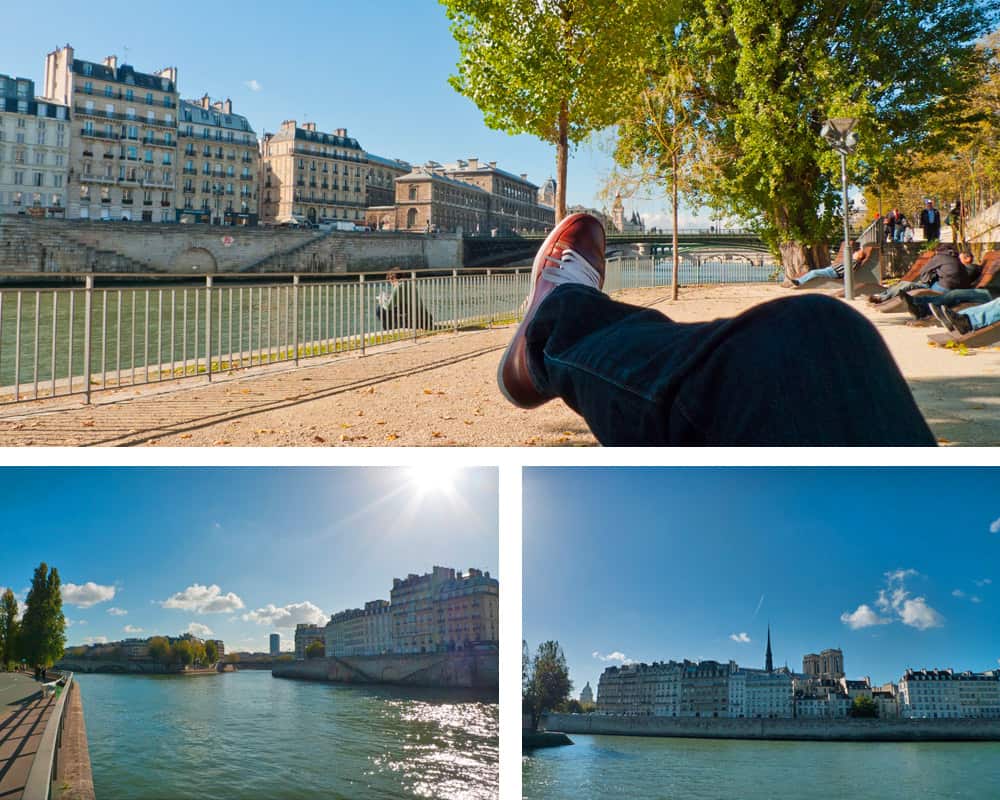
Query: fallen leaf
[380,422]
[467,421]
[220,443]
[186,435]
[436,434]
[361,413]
[428,391]
[244,391]
[447,418]
[88,423]
[392,437]
[319,439]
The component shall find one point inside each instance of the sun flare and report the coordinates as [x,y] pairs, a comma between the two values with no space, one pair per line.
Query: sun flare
[433,480]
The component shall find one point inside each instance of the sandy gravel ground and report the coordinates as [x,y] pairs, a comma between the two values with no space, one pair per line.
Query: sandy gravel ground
[442,391]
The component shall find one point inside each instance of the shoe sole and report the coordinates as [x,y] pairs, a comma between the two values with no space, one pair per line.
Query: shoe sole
[938,313]
[536,270]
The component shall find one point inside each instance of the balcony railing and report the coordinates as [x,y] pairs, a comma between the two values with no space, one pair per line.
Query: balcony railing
[96,134]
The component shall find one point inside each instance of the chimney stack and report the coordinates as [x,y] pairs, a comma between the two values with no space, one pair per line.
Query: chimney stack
[341,132]
[473,163]
[309,126]
[206,102]
[111,61]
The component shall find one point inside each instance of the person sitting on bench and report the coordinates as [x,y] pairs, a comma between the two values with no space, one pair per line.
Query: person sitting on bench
[923,306]
[834,271]
[970,319]
[943,272]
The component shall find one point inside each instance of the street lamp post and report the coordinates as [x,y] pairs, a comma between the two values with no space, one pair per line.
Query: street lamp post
[839,134]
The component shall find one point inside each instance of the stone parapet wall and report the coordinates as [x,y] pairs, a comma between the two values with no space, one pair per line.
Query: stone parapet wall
[832,730]
[30,245]
[439,670]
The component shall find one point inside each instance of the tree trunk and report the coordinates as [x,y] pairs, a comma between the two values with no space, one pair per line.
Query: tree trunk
[675,277]
[562,156]
[796,258]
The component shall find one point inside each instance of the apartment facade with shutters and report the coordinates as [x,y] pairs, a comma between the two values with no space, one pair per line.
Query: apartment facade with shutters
[123,147]
[34,151]
[308,175]
[219,164]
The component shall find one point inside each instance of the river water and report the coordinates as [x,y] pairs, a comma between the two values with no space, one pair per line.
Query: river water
[248,735]
[695,769]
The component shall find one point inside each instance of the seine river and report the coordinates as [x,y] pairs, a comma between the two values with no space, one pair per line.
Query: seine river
[248,735]
[693,769]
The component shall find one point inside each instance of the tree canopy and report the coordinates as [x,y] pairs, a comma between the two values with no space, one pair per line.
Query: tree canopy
[545,683]
[9,629]
[555,69]
[43,627]
[771,74]
[315,650]
[863,707]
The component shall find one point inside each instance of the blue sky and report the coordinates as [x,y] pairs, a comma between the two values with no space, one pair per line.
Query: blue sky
[654,564]
[380,71]
[240,552]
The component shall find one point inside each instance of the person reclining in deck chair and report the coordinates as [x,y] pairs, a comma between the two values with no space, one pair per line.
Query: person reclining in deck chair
[923,306]
[941,274]
[833,272]
[969,319]
[393,308]
[768,376]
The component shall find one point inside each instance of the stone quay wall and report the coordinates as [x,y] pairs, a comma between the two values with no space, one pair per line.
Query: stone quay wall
[73,773]
[818,730]
[437,670]
[29,245]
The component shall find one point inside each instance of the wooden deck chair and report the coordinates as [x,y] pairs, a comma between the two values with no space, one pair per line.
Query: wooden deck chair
[980,338]
[866,275]
[896,304]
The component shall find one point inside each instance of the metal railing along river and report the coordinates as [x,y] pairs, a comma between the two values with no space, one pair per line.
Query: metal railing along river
[73,340]
[38,785]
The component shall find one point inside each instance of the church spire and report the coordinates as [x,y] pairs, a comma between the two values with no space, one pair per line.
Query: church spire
[768,661]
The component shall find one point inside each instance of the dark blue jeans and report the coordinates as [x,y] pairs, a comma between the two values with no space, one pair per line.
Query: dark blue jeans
[952,297]
[804,370]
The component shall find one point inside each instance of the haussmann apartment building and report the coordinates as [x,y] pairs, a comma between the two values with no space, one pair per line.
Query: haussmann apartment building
[123,148]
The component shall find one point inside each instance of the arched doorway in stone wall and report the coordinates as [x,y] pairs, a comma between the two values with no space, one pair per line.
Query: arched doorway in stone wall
[194,260]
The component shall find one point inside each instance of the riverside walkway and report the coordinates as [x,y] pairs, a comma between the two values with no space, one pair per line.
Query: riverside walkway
[442,391]
[23,716]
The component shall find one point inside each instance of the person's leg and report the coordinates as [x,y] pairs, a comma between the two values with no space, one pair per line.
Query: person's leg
[895,289]
[984,315]
[799,371]
[954,297]
[825,272]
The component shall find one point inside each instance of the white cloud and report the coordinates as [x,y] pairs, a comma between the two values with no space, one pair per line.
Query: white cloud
[87,594]
[81,622]
[615,656]
[132,629]
[204,600]
[742,637]
[896,604]
[253,85]
[287,616]
[976,599]
[983,582]
[917,614]
[117,612]
[995,526]
[197,629]
[96,640]
[957,593]
[864,616]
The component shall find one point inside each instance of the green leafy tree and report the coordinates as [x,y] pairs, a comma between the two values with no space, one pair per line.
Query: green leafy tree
[315,650]
[863,707]
[769,75]
[9,630]
[555,69]
[547,686]
[658,146]
[43,627]
[233,658]
[211,652]
[183,652]
[160,650]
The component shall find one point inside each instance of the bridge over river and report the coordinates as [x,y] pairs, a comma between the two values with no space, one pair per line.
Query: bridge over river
[501,250]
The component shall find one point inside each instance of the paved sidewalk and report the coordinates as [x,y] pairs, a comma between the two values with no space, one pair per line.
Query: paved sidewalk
[442,391]
[21,729]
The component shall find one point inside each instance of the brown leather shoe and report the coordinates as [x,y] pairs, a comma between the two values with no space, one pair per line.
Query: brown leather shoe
[584,235]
